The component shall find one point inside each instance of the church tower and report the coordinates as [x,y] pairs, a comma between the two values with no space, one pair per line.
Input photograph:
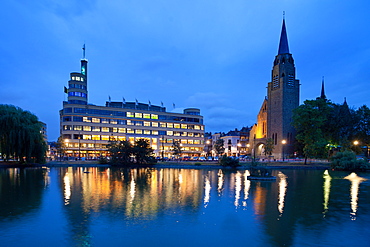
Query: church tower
[282,99]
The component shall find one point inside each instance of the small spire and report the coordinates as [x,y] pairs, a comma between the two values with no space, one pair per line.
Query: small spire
[323,96]
[283,45]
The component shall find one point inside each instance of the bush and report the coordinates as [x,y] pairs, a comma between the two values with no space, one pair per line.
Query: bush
[103,160]
[347,161]
[197,164]
[229,161]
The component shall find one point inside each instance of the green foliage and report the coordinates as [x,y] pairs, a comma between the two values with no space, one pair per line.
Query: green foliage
[229,161]
[218,147]
[362,125]
[124,152]
[269,147]
[347,161]
[197,163]
[20,135]
[176,146]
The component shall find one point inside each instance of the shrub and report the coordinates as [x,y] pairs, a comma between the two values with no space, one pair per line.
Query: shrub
[197,164]
[103,160]
[229,161]
[347,161]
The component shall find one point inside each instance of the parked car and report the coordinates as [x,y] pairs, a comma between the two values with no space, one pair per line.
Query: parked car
[202,159]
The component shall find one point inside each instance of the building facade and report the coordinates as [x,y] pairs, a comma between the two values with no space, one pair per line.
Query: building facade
[87,129]
[276,115]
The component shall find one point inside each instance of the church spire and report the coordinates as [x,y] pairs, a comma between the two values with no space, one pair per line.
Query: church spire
[323,96]
[283,46]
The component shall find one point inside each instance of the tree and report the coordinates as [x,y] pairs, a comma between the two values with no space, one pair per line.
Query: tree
[362,126]
[219,147]
[20,135]
[143,152]
[60,146]
[269,146]
[176,148]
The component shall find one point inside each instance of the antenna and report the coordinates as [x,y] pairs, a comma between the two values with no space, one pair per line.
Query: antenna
[283,15]
[83,51]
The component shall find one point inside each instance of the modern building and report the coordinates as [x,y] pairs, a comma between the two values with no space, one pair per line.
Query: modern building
[276,115]
[86,129]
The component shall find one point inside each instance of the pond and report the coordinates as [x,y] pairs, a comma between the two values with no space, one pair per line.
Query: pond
[76,206]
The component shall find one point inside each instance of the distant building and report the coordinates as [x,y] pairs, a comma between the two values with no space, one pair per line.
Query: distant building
[276,114]
[86,129]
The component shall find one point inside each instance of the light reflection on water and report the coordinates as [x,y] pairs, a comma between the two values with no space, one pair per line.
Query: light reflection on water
[136,207]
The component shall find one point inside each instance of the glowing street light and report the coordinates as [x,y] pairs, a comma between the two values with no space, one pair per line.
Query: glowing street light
[283,142]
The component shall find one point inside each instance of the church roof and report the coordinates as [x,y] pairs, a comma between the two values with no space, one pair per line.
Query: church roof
[283,45]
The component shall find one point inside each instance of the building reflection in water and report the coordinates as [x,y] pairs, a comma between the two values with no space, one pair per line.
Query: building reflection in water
[326,190]
[220,182]
[207,190]
[238,188]
[283,185]
[247,186]
[355,187]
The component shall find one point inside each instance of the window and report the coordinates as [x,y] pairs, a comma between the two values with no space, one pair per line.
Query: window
[177,126]
[130,122]
[146,124]
[67,127]
[163,125]
[170,133]
[95,128]
[86,137]
[67,119]
[154,132]
[190,134]
[161,132]
[105,120]
[130,114]
[122,122]
[147,132]
[121,138]
[169,125]
[95,120]
[154,116]
[67,110]
[130,131]
[146,115]
[113,121]
[139,123]
[115,130]
[176,133]
[121,130]
[87,119]
[196,141]
[138,131]
[184,141]
[87,128]
[105,137]
[77,119]
[154,124]
[190,141]
[138,115]
[77,127]
[184,133]
[104,129]
[184,126]
[197,127]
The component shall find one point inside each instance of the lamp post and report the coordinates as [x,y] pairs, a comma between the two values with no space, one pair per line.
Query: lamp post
[283,142]
[238,148]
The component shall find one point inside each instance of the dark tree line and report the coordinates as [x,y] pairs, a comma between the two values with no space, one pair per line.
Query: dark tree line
[124,152]
[20,135]
[323,126]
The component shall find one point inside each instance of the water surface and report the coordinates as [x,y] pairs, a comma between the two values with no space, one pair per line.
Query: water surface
[182,207]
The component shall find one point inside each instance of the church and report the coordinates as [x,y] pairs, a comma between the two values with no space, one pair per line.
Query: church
[274,120]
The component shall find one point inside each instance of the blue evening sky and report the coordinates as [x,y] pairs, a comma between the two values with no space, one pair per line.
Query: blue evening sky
[214,55]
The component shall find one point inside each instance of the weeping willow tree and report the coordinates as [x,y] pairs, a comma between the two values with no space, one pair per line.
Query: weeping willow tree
[20,135]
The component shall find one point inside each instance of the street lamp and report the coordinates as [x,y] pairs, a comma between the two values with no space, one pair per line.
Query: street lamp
[238,148]
[283,142]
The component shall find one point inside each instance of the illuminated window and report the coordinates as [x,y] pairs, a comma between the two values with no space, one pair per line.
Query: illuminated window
[95,128]
[138,131]
[196,135]
[202,127]
[184,141]
[130,131]
[130,122]
[163,125]
[104,120]
[154,124]
[67,127]
[105,138]
[154,140]
[77,78]
[113,121]
[87,119]
[196,141]
[114,130]
[190,141]
[154,116]
[104,129]
[197,127]
[82,79]
[130,114]
[86,137]
[121,138]
[121,130]
[73,78]
[176,133]
[95,120]
[147,132]
[190,134]
[177,126]
[77,127]
[147,124]
[138,115]
[184,133]
[170,133]
[139,123]
[169,125]
[184,126]
[87,128]
[90,145]
[154,132]
[146,115]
